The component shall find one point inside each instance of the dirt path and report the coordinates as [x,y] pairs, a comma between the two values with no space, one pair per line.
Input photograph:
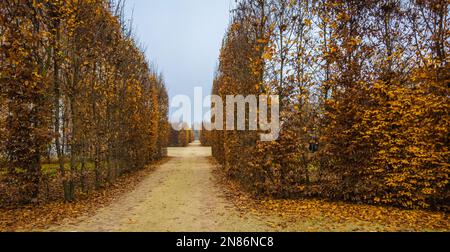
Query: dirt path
[183,195]
[180,195]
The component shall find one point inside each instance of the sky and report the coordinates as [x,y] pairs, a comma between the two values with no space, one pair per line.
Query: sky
[182,38]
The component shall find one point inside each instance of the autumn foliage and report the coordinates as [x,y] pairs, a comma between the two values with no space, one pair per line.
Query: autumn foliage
[180,135]
[205,136]
[79,103]
[367,82]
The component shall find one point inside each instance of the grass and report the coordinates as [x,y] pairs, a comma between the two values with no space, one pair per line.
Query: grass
[53,168]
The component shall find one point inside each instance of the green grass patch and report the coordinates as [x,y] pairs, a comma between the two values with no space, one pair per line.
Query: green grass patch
[52,169]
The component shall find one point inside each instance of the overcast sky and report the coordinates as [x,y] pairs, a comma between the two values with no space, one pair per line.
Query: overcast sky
[183,38]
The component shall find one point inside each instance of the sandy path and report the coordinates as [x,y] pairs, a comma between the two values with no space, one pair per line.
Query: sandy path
[180,195]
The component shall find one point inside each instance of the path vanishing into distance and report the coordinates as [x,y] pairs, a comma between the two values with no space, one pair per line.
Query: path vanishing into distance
[184,195]
[180,195]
